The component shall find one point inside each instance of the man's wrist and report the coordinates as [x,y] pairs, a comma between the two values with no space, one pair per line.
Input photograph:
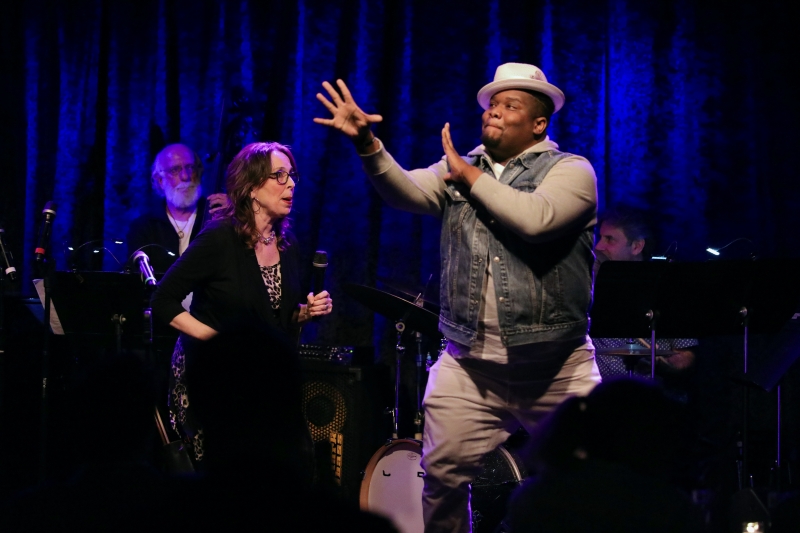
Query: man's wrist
[365,144]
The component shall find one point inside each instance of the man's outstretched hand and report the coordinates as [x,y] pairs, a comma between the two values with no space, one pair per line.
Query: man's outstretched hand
[347,117]
[460,170]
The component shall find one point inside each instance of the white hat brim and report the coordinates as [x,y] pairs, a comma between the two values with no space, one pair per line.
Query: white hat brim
[490,89]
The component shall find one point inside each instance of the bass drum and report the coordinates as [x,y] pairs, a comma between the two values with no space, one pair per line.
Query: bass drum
[393,480]
[392,485]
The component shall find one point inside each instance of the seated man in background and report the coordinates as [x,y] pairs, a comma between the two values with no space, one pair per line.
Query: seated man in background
[176,174]
[625,235]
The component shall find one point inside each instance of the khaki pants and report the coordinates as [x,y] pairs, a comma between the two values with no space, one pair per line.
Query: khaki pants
[473,406]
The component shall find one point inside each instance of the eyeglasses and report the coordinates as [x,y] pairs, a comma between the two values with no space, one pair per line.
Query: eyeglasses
[282,176]
[177,169]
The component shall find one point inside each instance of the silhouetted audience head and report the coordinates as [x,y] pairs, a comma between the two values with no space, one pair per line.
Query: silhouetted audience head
[603,464]
[625,421]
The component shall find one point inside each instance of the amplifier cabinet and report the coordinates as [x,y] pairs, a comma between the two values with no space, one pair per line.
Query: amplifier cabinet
[344,409]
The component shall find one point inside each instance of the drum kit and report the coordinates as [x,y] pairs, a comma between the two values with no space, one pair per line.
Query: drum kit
[633,351]
[393,479]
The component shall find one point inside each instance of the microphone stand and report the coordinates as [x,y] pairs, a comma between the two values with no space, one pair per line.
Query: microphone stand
[2,321]
[12,291]
[46,268]
[3,373]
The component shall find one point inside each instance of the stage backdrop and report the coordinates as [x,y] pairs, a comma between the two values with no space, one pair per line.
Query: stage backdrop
[684,108]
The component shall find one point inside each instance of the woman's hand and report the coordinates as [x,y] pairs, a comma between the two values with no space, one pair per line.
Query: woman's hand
[347,117]
[318,305]
[460,170]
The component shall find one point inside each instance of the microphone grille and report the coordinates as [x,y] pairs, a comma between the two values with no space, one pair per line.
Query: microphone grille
[320,259]
[49,207]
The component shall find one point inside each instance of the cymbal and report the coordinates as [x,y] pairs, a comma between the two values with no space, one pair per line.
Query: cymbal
[631,350]
[428,295]
[395,308]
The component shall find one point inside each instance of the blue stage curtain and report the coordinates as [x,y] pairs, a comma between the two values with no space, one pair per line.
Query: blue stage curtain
[685,108]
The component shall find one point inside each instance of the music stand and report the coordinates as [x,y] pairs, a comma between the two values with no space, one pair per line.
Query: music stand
[692,300]
[98,304]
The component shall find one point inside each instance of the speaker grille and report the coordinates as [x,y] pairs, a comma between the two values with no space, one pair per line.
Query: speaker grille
[345,403]
[325,408]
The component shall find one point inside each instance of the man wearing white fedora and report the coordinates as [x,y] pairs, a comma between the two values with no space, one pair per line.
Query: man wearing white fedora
[516,275]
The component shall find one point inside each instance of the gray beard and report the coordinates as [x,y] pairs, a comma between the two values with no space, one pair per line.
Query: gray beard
[176,198]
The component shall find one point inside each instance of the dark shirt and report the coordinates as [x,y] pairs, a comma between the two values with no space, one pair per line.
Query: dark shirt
[229,293]
[154,234]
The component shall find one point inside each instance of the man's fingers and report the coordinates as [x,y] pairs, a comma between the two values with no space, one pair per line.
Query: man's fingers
[332,92]
[446,139]
[345,91]
[374,118]
[324,101]
[324,121]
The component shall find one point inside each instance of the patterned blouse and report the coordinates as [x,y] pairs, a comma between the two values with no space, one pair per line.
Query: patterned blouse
[272,279]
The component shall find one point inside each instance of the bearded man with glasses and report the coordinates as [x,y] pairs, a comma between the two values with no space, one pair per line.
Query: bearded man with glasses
[175,176]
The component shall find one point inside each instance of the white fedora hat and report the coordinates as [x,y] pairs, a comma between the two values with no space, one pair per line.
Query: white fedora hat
[520,76]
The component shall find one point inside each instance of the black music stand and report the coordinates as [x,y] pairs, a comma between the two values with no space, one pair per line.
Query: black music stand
[693,300]
[99,305]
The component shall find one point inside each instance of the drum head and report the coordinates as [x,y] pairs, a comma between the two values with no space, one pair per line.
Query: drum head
[392,485]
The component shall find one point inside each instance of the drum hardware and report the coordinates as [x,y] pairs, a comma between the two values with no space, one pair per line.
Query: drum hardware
[406,314]
[399,351]
[414,314]
[393,480]
[632,353]
[419,416]
[392,484]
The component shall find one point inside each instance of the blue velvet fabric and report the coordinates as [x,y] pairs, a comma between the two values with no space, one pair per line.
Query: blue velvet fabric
[683,109]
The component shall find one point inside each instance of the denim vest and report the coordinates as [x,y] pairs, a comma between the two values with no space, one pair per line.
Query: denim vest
[544,290]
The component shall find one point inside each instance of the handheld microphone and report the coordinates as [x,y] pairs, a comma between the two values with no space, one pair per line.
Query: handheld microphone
[8,259]
[49,213]
[320,263]
[141,259]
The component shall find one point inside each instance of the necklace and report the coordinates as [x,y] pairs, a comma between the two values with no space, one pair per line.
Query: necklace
[266,240]
[181,234]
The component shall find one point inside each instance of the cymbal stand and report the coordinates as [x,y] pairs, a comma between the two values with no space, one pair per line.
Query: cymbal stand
[652,316]
[400,326]
[418,416]
[744,476]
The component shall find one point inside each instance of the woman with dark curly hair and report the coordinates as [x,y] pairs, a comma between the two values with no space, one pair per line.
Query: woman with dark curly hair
[243,272]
